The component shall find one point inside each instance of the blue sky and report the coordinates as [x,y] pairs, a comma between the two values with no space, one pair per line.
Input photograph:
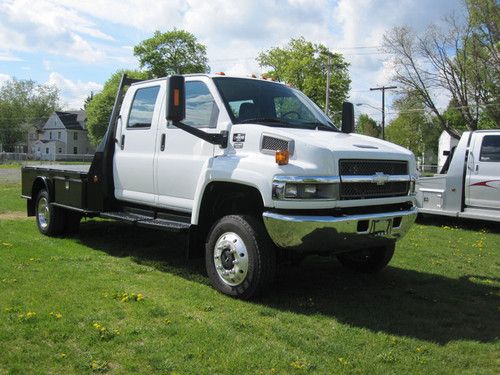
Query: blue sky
[78,44]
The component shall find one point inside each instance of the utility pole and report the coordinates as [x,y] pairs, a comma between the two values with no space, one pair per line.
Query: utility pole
[328,78]
[383,88]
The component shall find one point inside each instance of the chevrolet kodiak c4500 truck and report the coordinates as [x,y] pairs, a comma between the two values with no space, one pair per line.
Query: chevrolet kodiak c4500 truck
[251,169]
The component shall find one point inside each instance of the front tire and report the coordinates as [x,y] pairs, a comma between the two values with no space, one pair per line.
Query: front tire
[239,256]
[49,219]
[367,260]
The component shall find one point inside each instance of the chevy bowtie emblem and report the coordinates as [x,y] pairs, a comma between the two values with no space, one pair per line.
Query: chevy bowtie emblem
[380,178]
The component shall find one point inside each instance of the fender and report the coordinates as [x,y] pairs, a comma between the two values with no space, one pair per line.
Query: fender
[40,182]
[228,169]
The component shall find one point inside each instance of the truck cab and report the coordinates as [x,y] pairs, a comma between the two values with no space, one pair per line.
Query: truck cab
[252,169]
[469,185]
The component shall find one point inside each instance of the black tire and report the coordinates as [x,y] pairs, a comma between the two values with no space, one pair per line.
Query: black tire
[367,260]
[49,219]
[231,234]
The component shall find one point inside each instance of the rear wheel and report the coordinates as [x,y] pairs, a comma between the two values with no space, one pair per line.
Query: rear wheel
[367,260]
[49,219]
[239,256]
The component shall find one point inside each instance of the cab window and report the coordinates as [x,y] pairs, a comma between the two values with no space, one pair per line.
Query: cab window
[143,106]
[490,148]
[201,110]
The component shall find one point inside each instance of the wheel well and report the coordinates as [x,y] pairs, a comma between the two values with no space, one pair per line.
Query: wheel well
[39,184]
[226,198]
[221,199]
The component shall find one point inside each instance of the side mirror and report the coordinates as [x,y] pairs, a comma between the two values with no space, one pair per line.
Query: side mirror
[347,118]
[176,98]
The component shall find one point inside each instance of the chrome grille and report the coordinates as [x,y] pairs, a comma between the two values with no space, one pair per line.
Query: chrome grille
[274,144]
[355,167]
[367,169]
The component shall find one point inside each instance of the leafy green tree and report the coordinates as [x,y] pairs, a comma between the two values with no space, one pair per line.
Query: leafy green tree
[175,51]
[462,58]
[99,107]
[304,65]
[414,128]
[24,103]
[367,126]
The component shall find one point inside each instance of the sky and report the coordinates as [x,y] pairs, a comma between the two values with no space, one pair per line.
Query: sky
[77,44]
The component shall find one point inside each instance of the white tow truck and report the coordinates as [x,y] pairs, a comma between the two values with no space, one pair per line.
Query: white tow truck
[469,184]
[251,169]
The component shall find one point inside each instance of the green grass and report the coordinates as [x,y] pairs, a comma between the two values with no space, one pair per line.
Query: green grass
[10,198]
[10,166]
[434,310]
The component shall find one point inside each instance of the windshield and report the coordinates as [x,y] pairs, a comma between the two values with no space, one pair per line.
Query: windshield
[271,104]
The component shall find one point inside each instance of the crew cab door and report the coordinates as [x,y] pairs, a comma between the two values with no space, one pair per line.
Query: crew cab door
[181,156]
[483,171]
[133,163]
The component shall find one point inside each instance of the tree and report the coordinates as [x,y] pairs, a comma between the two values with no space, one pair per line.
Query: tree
[413,128]
[24,103]
[303,65]
[462,60]
[367,126]
[176,51]
[100,106]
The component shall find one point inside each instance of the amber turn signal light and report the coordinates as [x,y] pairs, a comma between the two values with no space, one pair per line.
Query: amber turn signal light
[282,157]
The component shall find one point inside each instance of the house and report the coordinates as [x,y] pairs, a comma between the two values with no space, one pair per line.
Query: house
[446,143]
[64,133]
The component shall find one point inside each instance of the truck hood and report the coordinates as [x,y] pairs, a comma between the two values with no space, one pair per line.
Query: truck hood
[337,141]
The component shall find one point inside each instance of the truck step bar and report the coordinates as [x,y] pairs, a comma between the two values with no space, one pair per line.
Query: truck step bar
[147,221]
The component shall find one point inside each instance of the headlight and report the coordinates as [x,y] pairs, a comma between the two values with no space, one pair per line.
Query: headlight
[319,187]
[412,185]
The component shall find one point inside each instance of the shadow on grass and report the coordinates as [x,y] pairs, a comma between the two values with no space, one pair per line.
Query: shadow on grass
[461,223]
[397,301]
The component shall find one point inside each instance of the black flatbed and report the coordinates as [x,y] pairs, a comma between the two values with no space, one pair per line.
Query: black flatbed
[58,168]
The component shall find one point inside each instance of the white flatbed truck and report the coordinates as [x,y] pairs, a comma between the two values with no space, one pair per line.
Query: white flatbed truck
[246,167]
[469,185]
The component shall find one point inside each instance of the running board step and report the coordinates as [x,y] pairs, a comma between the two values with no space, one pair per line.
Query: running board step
[147,221]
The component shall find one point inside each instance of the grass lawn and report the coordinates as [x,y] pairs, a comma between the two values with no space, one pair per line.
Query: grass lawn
[72,305]
[10,198]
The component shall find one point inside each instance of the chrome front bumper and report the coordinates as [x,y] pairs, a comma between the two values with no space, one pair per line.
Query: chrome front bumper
[337,234]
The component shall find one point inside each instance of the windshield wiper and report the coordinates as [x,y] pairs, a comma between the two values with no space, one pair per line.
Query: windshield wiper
[262,119]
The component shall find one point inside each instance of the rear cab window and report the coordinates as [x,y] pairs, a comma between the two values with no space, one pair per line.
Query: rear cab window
[490,148]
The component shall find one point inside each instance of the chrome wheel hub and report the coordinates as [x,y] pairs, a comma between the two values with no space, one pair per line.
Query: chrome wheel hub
[231,259]
[43,213]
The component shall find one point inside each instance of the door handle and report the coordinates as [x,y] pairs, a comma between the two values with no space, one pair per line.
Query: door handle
[162,146]
[122,143]
[476,169]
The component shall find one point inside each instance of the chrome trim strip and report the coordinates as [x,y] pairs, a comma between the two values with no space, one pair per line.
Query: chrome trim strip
[307,179]
[373,178]
[337,234]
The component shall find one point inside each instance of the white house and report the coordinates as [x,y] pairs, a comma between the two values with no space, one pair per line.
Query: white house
[63,133]
[446,143]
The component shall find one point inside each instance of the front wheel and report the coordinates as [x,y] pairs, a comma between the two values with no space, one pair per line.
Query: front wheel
[369,260]
[239,256]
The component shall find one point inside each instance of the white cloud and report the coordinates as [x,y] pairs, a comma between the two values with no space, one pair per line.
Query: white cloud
[73,93]
[43,25]
[4,78]
[8,56]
